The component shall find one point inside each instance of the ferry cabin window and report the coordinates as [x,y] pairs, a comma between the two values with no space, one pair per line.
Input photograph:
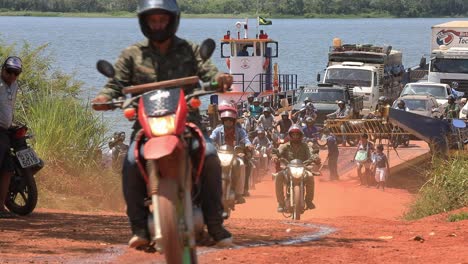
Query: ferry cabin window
[449,65]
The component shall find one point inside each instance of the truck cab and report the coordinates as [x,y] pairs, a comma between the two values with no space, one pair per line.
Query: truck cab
[449,65]
[364,80]
[325,98]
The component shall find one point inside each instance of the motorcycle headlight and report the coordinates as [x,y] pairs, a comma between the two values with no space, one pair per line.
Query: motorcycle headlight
[162,125]
[296,172]
[225,158]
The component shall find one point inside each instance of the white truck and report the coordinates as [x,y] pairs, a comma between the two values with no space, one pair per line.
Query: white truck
[449,54]
[372,71]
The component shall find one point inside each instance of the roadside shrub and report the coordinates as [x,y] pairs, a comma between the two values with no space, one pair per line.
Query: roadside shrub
[458,217]
[445,190]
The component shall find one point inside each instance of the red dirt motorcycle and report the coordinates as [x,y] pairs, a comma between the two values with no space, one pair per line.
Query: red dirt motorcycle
[171,174]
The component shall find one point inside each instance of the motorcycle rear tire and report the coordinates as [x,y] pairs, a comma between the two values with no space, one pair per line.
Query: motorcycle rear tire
[297,209]
[28,192]
[172,237]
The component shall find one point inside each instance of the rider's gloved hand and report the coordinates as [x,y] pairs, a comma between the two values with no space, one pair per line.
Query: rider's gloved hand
[98,103]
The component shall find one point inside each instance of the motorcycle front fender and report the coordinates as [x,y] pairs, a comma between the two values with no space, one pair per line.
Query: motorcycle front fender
[159,147]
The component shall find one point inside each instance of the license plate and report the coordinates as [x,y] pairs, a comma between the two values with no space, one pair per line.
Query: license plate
[27,158]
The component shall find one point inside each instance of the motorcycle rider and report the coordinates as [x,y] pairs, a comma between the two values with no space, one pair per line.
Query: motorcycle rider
[310,130]
[382,105]
[261,140]
[164,56]
[11,69]
[118,150]
[294,149]
[308,110]
[255,109]
[285,123]
[452,109]
[232,134]
[267,121]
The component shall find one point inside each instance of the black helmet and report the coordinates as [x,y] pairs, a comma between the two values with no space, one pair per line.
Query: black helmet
[451,98]
[13,63]
[150,7]
[401,102]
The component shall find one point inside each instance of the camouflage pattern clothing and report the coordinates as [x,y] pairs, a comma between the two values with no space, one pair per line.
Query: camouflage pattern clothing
[141,63]
[296,151]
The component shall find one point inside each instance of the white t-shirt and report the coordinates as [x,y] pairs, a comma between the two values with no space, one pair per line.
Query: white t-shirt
[7,103]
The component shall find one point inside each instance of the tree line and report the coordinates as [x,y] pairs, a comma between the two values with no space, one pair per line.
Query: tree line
[306,8]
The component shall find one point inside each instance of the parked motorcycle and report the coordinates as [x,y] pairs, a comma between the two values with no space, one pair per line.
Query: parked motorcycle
[397,139]
[296,175]
[230,158]
[22,193]
[168,139]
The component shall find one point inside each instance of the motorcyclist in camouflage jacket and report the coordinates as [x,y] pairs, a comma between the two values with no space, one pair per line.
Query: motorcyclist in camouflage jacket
[295,149]
[164,56]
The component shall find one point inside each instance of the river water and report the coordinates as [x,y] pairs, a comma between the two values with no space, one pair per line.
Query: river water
[77,43]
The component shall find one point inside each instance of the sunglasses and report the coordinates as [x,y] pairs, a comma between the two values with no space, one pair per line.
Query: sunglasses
[13,72]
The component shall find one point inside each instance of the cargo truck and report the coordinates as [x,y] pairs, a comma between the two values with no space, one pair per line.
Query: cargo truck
[449,54]
[372,71]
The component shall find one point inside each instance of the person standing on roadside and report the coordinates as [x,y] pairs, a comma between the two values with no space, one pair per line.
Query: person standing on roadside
[362,156]
[165,56]
[382,168]
[333,154]
[11,69]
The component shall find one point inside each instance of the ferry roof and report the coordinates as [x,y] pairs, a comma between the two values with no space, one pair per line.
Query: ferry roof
[453,24]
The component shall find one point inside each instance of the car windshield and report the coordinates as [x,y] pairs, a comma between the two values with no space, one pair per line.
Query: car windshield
[416,104]
[322,95]
[435,90]
[354,77]
[450,65]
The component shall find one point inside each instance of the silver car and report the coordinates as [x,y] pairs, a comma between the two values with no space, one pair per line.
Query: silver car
[421,104]
[439,90]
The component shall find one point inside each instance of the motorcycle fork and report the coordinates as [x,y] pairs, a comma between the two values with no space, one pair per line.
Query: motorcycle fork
[153,190]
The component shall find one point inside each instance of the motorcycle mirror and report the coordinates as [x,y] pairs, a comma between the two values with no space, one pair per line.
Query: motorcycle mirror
[207,48]
[105,68]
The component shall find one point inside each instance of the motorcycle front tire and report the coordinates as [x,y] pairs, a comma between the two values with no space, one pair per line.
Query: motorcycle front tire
[297,209]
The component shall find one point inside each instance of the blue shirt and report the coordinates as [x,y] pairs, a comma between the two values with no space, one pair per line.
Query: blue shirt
[241,136]
[310,132]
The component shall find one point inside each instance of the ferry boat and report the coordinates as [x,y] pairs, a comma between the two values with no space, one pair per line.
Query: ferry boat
[250,61]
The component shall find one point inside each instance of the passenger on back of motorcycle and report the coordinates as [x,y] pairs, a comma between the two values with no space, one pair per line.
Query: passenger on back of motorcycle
[294,149]
[164,56]
[232,134]
[255,109]
[10,71]
[381,109]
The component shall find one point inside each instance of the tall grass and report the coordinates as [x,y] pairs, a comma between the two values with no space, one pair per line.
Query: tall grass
[445,190]
[68,136]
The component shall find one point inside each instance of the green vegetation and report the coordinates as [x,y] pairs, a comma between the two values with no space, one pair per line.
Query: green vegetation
[68,136]
[445,190]
[458,217]
[269,8]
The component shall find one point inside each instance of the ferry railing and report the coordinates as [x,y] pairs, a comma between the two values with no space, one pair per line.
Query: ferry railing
[376,129]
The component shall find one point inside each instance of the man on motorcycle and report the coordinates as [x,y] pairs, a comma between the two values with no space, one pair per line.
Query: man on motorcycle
[10,71]
[285,123]
[308,110]
[261,140]
[266,120]
[382,105]
[255,109]
[164,56]
[294,149]
[232,134]
[452,109]
[310,130]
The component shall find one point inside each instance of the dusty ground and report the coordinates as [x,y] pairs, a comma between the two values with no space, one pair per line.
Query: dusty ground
[351,224]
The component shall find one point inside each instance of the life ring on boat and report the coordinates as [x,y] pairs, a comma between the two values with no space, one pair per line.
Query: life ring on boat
[228,63]
[266,63]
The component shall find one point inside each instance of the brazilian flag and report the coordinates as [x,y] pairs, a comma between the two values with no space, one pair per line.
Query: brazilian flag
[264,22]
